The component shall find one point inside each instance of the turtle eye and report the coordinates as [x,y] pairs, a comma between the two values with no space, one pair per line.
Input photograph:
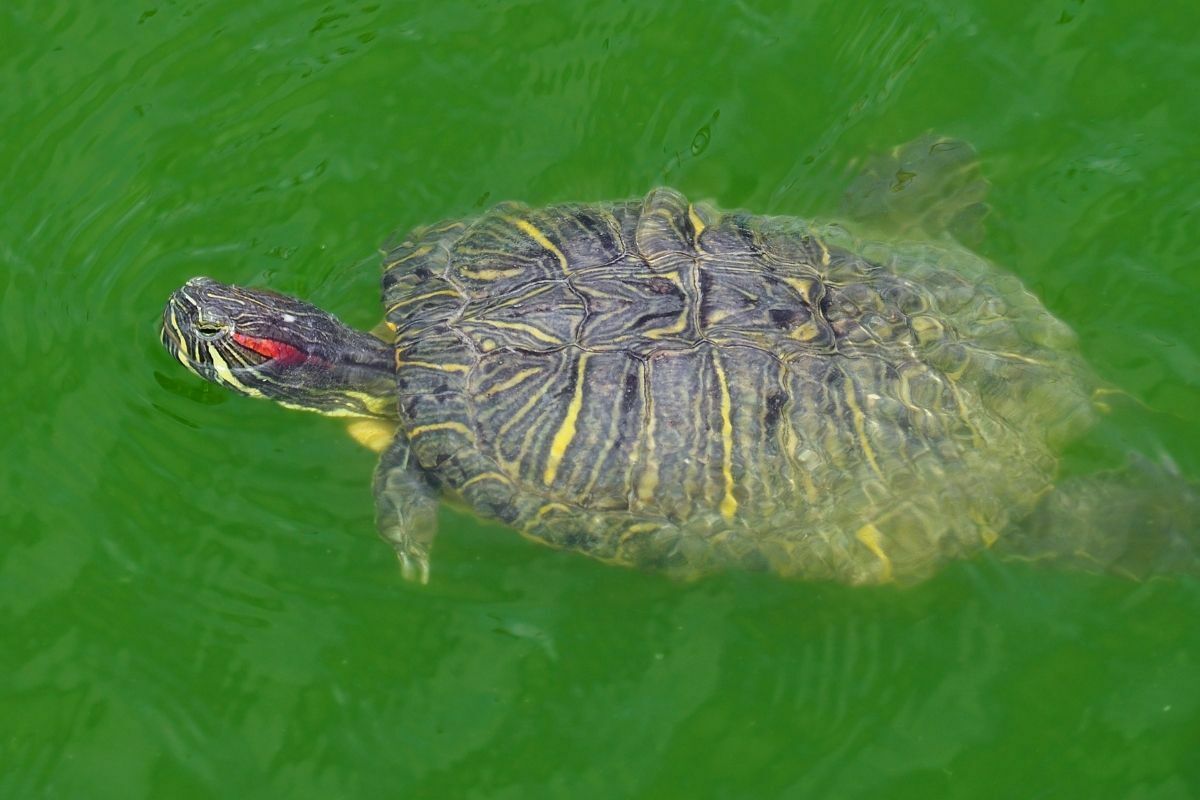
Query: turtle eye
[209,330]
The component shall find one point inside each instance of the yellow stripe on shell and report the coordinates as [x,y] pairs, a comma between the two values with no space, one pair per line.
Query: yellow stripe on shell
[681,324]
[546,509]
[526,407]
[648,481]
[488,476]
[419,297]
[860,427]
[679,327]
[977,437]
[533,331]
[515,380]
[824,251]
[697,225]
[637,528]
[430,365]
[490,274]
[457,427]
[790,441]
[729,503]
[566,432]
[524,297]
[804,287]
[530,230]
[424,250]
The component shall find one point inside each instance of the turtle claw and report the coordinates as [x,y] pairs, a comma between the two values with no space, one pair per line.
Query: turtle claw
[414,565]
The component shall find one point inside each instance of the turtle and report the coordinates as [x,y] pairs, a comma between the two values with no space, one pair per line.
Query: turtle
[660,383]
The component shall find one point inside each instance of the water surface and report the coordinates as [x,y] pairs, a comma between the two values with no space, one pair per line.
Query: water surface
[192,600]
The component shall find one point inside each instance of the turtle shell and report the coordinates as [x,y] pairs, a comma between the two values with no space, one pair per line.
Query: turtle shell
[665,384]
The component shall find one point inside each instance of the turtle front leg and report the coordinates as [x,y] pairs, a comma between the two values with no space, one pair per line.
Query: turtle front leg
[405,508]
[929,186]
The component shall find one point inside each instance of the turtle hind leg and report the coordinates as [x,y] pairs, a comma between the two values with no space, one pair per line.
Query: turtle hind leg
[406,506]
[930,186]
[1139,522]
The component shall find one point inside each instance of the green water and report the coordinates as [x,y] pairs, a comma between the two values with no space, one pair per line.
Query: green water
[192,599]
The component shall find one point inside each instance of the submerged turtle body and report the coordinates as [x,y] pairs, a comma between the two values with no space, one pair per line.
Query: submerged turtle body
[659,383]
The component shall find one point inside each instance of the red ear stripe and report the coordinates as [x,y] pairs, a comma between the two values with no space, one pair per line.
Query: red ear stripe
[279,351]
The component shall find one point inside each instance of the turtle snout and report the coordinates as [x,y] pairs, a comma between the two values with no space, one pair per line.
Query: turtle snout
[197,292]
[199,308]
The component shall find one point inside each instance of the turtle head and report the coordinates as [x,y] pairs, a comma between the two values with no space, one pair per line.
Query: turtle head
[264,344]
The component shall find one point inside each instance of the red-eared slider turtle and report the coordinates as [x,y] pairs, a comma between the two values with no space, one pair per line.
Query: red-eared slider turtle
[659,383]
